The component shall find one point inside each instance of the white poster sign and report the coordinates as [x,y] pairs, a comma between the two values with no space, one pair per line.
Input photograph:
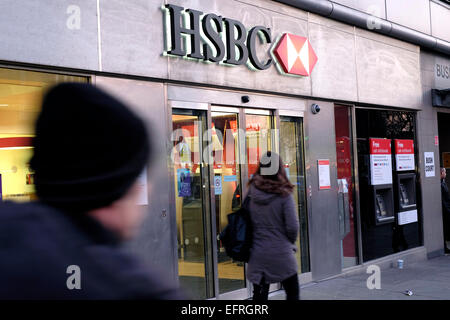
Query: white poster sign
[429,164]
[406,217]
[405,162]
[324,174]
[381,169]
[380,161]
[143,192]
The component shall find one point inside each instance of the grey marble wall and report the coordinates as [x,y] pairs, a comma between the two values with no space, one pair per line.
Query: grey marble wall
[412,14]
[427,16]
[47,33]
[353,64]
[373,7]
[427,130]
[320,143]
[156,243]
[132,38]
[440,21]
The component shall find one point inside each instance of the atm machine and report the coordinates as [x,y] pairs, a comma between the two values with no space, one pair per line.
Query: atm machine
[383,204]
[381,181]
[405,182]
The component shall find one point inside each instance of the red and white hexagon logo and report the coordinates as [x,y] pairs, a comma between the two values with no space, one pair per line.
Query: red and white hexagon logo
[295,55]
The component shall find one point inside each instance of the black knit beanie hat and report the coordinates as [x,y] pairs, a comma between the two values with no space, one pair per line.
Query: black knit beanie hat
[88,150]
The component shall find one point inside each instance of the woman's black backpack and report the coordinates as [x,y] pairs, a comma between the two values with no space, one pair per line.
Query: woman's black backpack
[237,235]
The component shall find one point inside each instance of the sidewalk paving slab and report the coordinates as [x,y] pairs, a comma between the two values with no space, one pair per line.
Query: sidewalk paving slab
[428,280]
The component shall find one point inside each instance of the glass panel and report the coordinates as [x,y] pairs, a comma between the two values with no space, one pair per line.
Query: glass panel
[291,151]
[384,239]
[258,138]
[345,178]
[227,189]
[21,94]
[189,202]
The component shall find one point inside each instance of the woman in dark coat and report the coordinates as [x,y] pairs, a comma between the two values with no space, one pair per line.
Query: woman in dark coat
[275,229]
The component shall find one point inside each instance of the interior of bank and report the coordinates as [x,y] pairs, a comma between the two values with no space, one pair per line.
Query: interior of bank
[21,94]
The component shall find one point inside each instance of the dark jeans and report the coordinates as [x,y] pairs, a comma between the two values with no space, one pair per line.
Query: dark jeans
[290,286]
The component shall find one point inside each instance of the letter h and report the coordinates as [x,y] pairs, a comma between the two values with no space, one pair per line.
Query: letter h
[177,29]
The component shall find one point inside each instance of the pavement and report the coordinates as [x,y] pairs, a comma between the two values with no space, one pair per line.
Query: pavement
[428,280]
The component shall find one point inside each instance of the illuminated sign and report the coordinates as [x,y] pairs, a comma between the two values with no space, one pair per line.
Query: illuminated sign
[211,38]
[295,55]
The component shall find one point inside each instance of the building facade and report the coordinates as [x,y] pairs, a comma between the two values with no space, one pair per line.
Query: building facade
[219,83]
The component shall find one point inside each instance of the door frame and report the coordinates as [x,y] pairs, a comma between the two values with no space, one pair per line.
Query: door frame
[206,99]
[355,181]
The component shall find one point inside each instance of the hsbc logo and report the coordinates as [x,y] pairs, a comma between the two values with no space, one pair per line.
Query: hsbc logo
[191,34]
[295,55]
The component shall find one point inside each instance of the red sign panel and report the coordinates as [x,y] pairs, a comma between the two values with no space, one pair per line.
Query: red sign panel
[404,155]
[16,142]
[404,147]
[380,146]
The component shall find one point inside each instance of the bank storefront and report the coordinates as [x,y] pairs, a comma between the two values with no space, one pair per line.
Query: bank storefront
[219,83]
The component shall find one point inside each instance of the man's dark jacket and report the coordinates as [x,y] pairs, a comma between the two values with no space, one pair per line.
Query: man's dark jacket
[38,243]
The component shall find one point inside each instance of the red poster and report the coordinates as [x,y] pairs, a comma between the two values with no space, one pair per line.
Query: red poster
[380,161]
[380,146]
[404,155]
[404,146]
[233,125]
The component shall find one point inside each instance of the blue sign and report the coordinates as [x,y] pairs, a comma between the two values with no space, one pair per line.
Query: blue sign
[229,178]
[217,185]
[184,182]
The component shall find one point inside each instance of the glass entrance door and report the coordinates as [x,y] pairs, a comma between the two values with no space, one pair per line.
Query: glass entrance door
[344,157]
[239,139]
[191,203]
[227,190]
[291,152]
[207,190]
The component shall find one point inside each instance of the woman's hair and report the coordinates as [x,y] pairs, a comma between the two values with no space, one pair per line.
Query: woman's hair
[271,171]
[270,166]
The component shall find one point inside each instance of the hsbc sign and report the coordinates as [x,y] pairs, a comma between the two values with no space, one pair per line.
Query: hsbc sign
[211,38]
[295,55]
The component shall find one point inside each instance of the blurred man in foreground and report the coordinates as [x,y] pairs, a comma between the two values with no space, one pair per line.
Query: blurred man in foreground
[89,151]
